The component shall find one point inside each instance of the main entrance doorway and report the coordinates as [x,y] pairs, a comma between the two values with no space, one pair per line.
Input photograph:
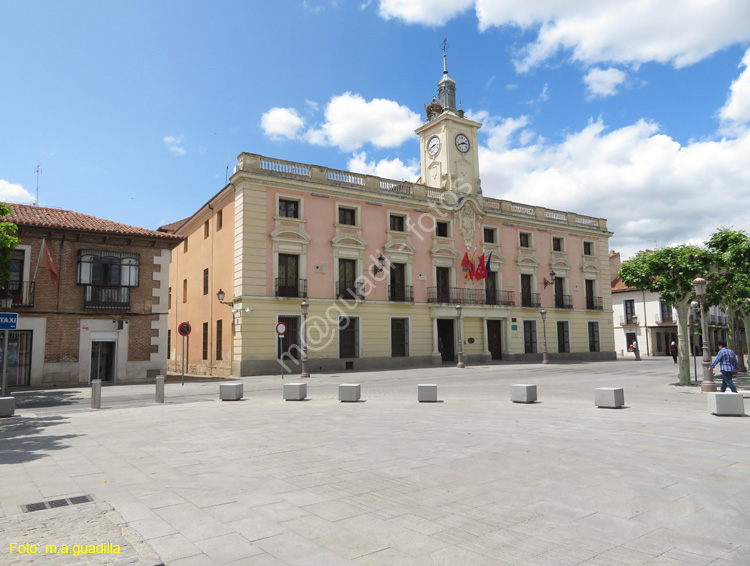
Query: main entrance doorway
[103,360]
[494,339]
[446,339]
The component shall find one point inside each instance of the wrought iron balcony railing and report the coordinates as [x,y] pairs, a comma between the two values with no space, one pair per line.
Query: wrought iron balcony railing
[532,300]
[350,290]
[23,293]
[456,295]
[295,288]
[594,303]
[401,293]
[97,297]
[563,301]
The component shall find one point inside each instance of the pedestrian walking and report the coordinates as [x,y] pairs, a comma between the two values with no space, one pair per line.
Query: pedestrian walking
[727,361]
[673,351]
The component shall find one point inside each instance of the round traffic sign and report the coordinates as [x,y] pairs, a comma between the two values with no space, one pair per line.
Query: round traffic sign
[281,329]
[184,329]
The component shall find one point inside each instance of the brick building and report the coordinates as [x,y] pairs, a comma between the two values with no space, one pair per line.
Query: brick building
[106,315]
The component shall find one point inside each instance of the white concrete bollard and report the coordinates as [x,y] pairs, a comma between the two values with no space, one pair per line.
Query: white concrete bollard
[609,397]
[295,391]
[159,389]
[726,404]
[230,391]
[427,392]
[349,392]
[96,393]
[523,393]
[7,406]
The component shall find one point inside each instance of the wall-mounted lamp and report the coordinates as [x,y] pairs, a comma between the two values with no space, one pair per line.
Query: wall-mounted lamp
[379,269]
[220,295]
[551,280]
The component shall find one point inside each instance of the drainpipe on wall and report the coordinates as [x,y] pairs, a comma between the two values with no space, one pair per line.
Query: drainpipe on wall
[645,322]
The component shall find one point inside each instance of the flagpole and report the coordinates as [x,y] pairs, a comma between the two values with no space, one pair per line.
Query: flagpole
[38,260]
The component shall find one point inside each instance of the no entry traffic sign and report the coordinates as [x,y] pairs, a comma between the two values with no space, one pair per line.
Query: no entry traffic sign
[281,329]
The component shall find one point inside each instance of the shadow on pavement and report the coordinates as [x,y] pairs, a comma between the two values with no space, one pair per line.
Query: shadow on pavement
[19,441]
[45,398]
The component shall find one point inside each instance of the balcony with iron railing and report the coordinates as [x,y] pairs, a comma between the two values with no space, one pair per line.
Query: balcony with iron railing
[99,297]
[466,296]
[350,290]
[401,293]
[563,301]
[631,320]
[22,293]
[663,318]
[532,300]
[290,288]
[594,303]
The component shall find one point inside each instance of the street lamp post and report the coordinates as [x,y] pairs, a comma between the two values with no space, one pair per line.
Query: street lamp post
[543,312]
[305,306]
[708,384]
[693,306]
[460,363]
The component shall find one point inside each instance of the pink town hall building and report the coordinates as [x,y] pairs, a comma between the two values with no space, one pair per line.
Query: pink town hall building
[382,268]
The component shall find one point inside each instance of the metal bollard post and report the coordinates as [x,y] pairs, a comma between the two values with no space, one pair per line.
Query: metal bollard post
[159,388]
[96,393]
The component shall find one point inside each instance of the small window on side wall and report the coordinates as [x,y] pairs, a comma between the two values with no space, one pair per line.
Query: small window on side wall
[347,216]
[441,229]
[588,248]
[557,245]
[397,223]
[489,236]
[288,208]
[524,240]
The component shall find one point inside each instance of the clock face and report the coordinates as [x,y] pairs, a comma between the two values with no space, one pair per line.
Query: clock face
[433,146]
[462,143]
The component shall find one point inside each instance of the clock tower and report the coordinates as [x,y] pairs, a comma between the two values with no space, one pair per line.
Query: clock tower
[448,142]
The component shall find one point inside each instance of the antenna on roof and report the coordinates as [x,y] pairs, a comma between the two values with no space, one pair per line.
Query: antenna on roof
[38,171]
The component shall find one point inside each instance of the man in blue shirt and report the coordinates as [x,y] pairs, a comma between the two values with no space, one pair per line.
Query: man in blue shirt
[728,364]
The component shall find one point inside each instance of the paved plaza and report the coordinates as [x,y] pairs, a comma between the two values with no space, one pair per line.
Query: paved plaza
[470,480]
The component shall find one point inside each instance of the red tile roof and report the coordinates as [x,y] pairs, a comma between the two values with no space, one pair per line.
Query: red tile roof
[27,215]
[618,285]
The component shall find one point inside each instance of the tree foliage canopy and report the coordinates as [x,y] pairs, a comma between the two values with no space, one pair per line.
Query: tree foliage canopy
[8,243]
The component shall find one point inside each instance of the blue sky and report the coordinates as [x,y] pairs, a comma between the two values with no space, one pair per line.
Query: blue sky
[637,111]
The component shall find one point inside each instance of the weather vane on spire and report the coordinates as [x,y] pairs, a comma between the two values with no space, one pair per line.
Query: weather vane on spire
[445,45]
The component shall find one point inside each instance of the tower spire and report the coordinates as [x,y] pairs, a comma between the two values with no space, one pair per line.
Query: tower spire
[446,86]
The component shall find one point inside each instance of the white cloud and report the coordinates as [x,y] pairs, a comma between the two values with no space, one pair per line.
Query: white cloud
[679,32]
[386,168]
[10,192]
[646,184]
[737,107]
[431,13]
[282,123]
[603,82]
[174,144]
[351,122]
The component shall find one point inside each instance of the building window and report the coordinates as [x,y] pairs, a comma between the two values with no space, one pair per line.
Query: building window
[205,340]
[524,240]
[397,223]
[557,244]
[184,290]
[666,312]
[206,229]
[630,317]
[219,343]
[529,336]
[288,283]
[289,208]
[528,299]
[588,248]
[185,245]
[348,337]
[563,337]
[169,344]
[593,336]
[399,337]
[205,281]
[108,277]
[219,220]
[19,357]
[347,216]
[489,235]
[169,300]
[441,229]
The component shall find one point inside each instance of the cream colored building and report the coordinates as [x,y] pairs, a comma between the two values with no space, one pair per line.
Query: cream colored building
[379,262]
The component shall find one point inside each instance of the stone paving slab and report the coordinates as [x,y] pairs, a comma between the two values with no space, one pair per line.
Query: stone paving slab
[475,479]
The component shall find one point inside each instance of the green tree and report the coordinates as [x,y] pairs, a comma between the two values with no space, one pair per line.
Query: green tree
[729,278]
[8,243]
[670,273]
